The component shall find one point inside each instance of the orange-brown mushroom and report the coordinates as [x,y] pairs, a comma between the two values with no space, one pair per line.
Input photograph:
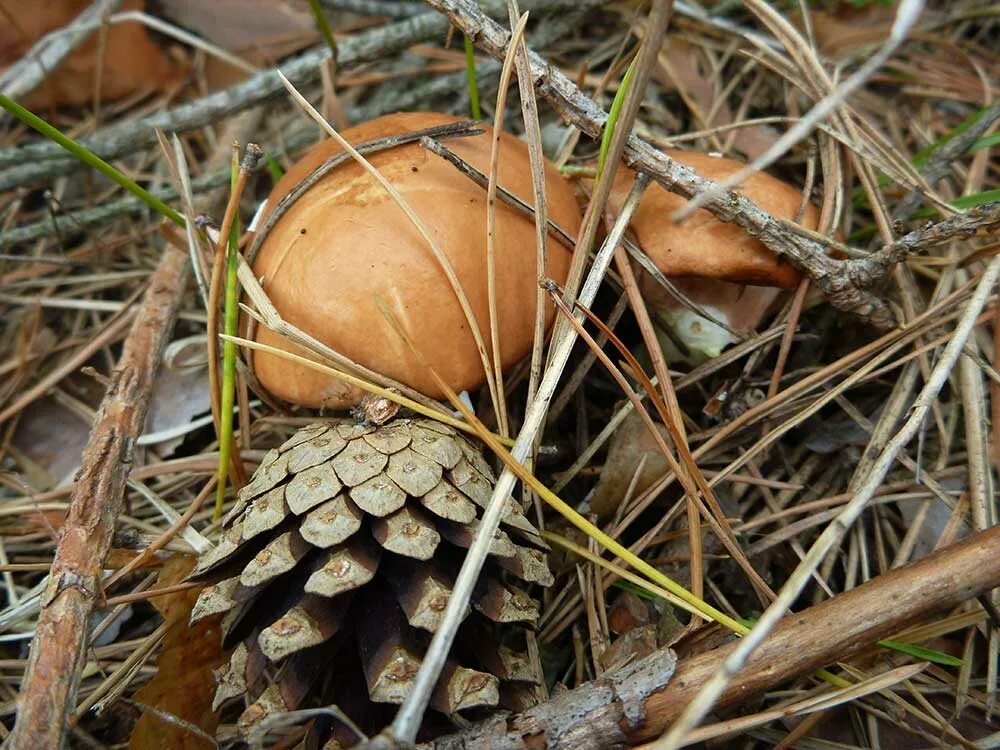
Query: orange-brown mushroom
[715,264]
[345,243]
[130,60]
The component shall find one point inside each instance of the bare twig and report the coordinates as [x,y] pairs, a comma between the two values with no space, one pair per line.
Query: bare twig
[985,218]
[832,277]
[491,223]
[48,692]
[638,702]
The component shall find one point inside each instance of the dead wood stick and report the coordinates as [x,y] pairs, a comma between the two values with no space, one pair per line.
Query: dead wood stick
[58,649]
[640,702]
[834,278]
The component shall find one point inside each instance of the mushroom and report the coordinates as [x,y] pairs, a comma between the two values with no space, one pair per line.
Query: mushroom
[715,264]
[345,243]
[131,61]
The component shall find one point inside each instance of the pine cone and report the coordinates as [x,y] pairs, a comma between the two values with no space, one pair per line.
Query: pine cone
[336,565]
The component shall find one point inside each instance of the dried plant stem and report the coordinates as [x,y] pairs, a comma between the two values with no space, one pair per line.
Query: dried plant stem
[689,475]
[491,222]
[52,677]
[626,575]
[674,419]
[536,157]
[175,528]
[735,661]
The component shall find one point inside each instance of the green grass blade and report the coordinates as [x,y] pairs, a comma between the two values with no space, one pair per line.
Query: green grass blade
[613,115]
[89,158]
[470,74]
[975,199]
[324,27]
[922,653]
[988,141]
[273,168]
[231,312]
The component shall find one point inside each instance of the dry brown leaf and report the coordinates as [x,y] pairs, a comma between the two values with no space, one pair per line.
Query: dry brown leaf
[844,30]
[680,67]
[133,62]
[183,685]
[257,30]
[631,443]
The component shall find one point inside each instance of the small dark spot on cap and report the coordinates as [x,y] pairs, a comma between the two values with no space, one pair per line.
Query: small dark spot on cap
[414,168]
[302,231]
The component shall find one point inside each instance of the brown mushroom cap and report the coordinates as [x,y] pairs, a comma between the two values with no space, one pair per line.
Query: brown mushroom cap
[702,245]
[131,60]
[345,243]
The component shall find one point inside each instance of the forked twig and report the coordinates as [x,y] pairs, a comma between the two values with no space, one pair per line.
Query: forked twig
[831,276]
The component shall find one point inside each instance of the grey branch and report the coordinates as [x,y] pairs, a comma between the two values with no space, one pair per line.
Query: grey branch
[26,164]
[866,271]
[808,255]
[30,71]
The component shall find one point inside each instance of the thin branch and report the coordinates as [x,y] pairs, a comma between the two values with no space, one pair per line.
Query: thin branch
[829,275]
[637,702]
[52,677]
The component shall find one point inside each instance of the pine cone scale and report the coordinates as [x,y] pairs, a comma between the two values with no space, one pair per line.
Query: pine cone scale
[348,538]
